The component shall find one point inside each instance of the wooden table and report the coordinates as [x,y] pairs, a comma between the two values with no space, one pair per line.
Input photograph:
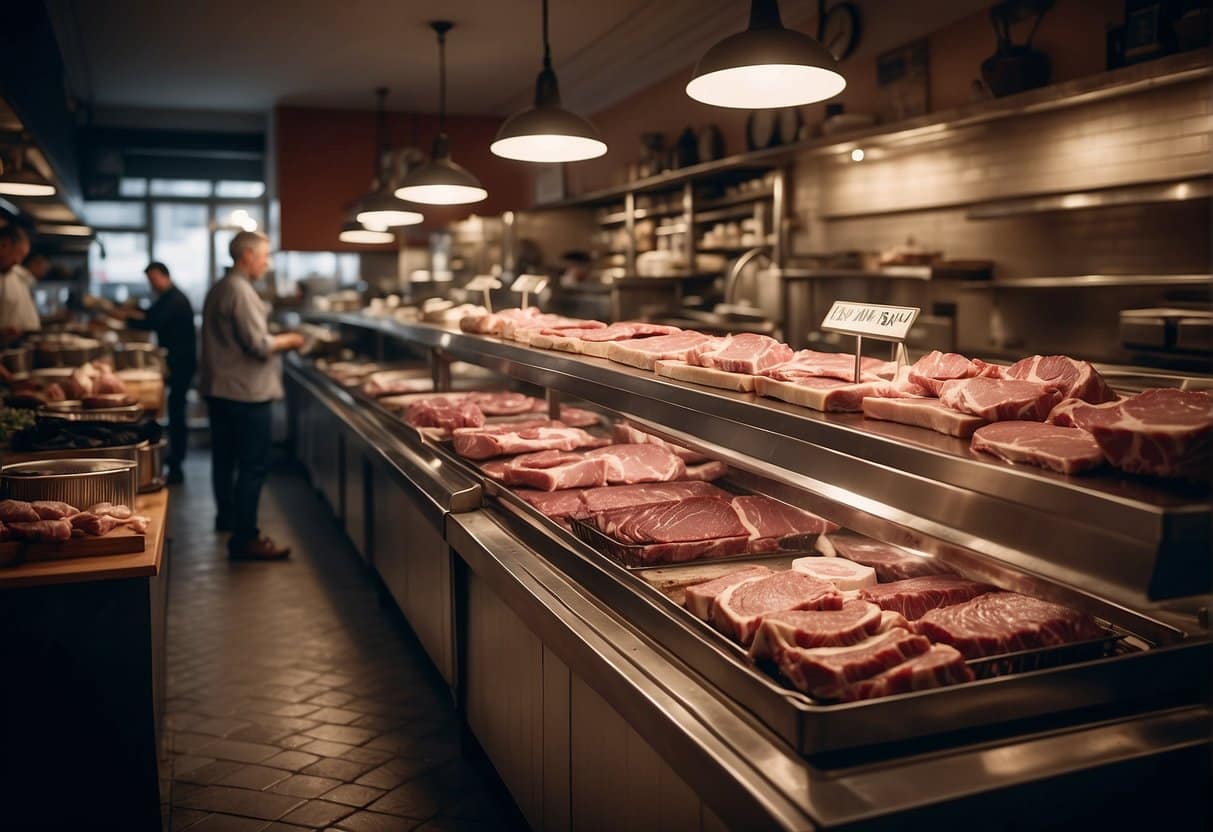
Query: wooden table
[82,686]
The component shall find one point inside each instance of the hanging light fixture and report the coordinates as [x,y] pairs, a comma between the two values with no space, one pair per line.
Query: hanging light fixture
[766,66]
[21,179]
[440,181]
[381,208]
[547,132]
[355,232]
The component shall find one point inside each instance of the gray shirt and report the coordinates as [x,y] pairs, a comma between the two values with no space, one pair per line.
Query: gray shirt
[238,361]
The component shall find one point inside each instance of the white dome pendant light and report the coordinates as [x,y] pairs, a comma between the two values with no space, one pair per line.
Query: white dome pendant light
[381,208]
[766,67]
[440,181]
[547,132]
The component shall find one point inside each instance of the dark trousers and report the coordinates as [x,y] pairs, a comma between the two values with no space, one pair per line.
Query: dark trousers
[240,457]
[179,381]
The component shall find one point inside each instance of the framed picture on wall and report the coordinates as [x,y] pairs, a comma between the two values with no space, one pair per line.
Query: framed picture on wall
[549,184]
[903,85]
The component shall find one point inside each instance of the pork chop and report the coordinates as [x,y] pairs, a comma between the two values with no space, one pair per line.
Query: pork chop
[1065,450]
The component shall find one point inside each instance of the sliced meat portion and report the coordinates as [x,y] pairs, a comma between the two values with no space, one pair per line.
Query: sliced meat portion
[627,434]
[493,322]
[700,598]
[827,672]
[854,622]
[1075,413]
[628,496]
[96,525]
[17,511]
[892,620]
[913,597]
[1066,450]
[485,443]
[1006,622]
[552,470]
[806,364]
[627,464]
[708,376]
[774,525]
[645,352]
[674,531]
[842,573]
[922,413]
[41,531]
[626,330]
[53,509]
[107,400]
[739,609]
[111,510]
[828,395]
[747,353]
[997,400]
[504,403]
[890,562]
[447,412]
[1072,378]
[706,471]
[938,667]
[934,368]
[555,504]
[138,523]
[1162,432]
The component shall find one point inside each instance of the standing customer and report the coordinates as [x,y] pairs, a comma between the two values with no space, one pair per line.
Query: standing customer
[171,317]
[18,313]
[240,376]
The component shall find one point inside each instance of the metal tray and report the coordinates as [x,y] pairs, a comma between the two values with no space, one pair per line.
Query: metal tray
[74,411]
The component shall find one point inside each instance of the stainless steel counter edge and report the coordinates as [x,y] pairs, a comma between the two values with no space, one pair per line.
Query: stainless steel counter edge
[720,751]
[442,487]
[1147,540]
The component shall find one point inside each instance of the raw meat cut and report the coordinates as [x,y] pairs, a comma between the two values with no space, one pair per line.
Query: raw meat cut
[492,323]
[842,573]
[740,608]
[17,511]
[774,525]
[674,531]
[805,364]
[940,666]
[1075,413]
[700,598]
[138,523]
[748,353]
[627,464]
[552,470]
[693,374]
[627,434]
[1066,450]
[827,672]
[41,531]
[998,400]
[934,368]
[96,525]
[599,343]
[485,443]
[856,621]
[890,562]
[446,412]
[111,509]
[555,504]
[644,352]
[525,331]
[650,494]
[1073,379]
[825,394]
[1162,432]
[1006,622]
[504,403]
[52,509]
[922,413]
[706,471]
[914,596]
[391,383]
[891,620]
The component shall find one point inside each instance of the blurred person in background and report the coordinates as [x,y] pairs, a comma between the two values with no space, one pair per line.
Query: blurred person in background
[171,317]
[241,375]
[18,313]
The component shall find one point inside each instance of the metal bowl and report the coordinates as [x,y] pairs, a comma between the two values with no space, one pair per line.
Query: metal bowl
[80,482]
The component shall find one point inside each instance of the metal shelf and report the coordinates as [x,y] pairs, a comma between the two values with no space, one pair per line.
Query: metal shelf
[1120,537]
[1093,281]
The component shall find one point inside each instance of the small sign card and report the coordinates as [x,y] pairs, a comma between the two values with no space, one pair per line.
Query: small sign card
[870,320]
[484,283]
[529,284]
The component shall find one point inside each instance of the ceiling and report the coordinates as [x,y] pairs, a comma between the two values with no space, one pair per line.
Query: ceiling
[239,56]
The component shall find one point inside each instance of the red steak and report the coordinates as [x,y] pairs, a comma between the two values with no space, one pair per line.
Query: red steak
[1006,622]
[555,504]
[627,496]
[890,562]
[488,442]
[827,672]
[997,400]
[939,666]
[934,368]
[1066,450]
[769,522]
[626,434]
[914,596]
[856,621]
[627,464]
[922,413]
[739,609]
[1072,378]
[700,598]
[552,470]
[748,353]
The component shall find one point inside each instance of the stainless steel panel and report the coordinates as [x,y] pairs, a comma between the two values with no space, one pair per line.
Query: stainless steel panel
[355,515]
[557,785]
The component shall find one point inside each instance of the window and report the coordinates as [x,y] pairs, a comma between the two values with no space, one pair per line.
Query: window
[181,187]
[124,261]
[132,187]
[230,189]
[115,214]
[181,241]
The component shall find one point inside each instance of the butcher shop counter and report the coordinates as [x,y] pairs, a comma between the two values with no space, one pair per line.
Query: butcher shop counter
[84,681]
[567,666]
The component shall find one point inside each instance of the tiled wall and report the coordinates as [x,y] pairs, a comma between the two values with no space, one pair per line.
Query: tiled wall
[923,190]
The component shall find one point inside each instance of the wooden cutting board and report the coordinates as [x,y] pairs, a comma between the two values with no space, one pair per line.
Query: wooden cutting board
[121,541]
[10,553]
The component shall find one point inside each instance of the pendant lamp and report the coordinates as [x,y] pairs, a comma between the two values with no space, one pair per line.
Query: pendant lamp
[440,181]
[381,208]
[355,232]
[547,132]
[21,179]
[766,66]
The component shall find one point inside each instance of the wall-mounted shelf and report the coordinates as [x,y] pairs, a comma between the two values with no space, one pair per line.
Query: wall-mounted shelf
[1149,193]
[1093,281]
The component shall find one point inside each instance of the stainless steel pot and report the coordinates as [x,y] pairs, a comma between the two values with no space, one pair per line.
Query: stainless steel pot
[67,353]
[138,356]
[80,482]
[151,465]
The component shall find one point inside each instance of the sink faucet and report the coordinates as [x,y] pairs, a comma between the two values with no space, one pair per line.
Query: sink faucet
[734,274]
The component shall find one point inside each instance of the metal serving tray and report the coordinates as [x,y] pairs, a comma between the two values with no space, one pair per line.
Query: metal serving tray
[74,411]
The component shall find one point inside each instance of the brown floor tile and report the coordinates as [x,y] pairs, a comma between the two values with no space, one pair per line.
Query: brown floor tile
[354,795]
[182,819]
[254,777]
[209,773]
[238,750]
[446,823]
[341,733]
[413,800]
[327,749]
[375,822]
[227,823]
[279,826]
[296,709]
[331,699]
[306,785]
[294,741]
[335,716]
[185,763]
[318,813]
[394,772]
[341,769]
[243,802]
[291,760]
[367,755]
[219,726]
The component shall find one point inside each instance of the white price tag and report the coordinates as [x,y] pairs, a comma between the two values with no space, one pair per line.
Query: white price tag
[870,320]
[482,283]
[529,284]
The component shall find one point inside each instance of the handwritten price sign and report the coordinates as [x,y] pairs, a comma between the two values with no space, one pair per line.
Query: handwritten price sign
[870,320]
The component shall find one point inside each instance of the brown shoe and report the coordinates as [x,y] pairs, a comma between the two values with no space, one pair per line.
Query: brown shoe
[261,548]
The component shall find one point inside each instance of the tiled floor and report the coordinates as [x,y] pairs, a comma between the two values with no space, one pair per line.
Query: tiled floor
[297,701]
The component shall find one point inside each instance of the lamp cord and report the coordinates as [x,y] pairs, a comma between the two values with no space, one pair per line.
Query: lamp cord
[381,130]
[547,50]
[441,82]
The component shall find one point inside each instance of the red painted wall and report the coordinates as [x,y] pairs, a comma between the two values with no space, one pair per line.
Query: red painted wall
[325,163]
